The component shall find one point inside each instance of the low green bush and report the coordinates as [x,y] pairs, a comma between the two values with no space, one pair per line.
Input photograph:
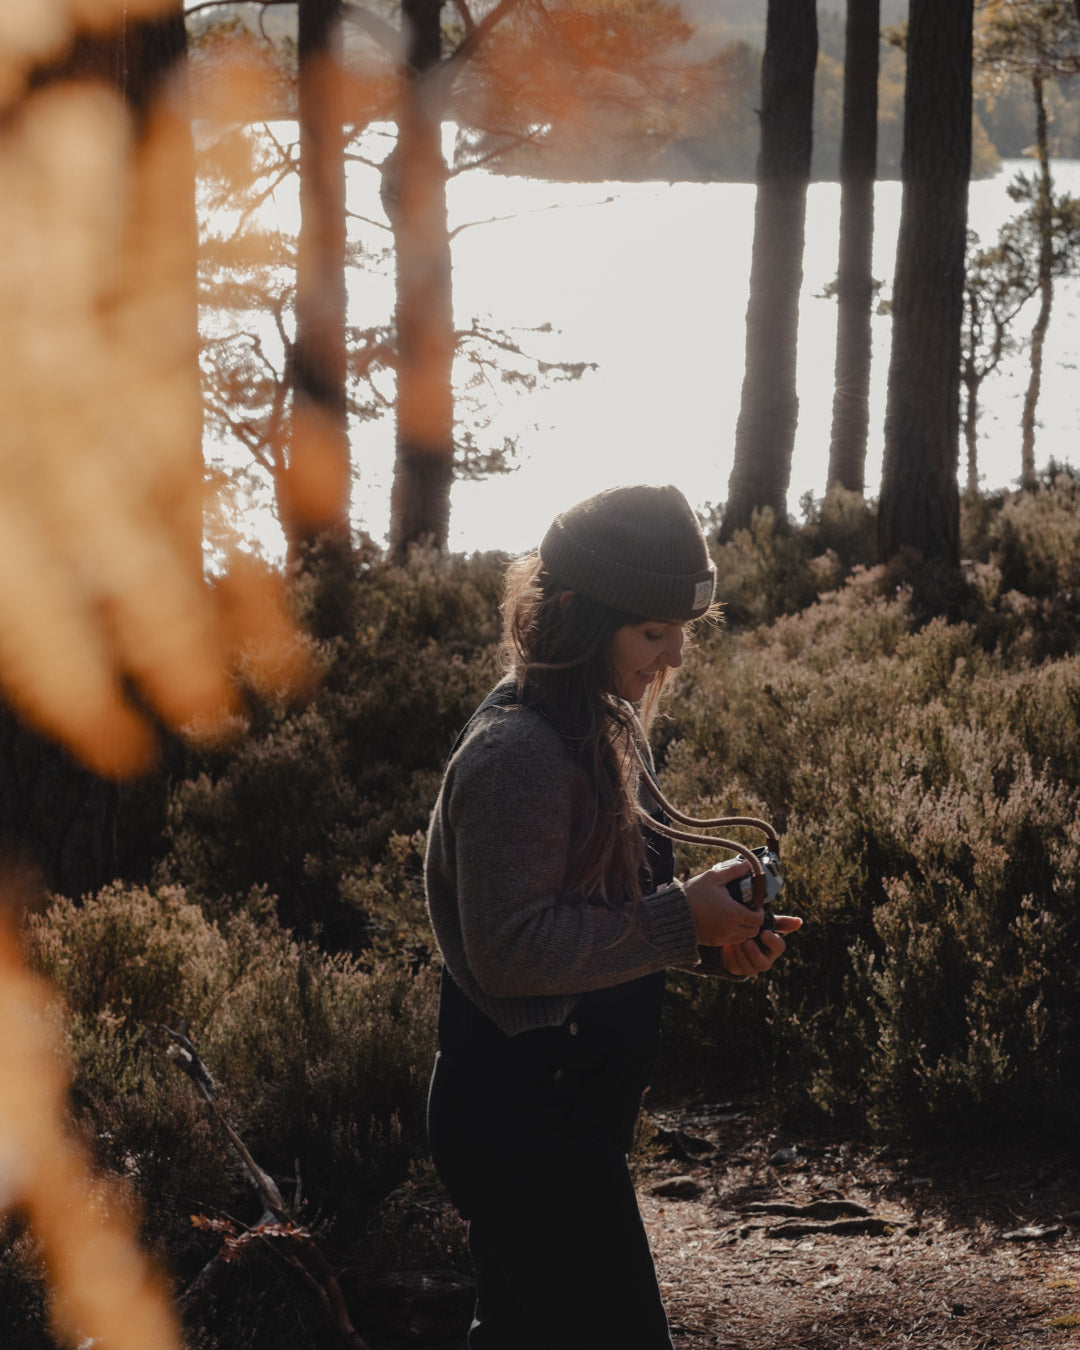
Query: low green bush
[312,794]
[774,568]
[926,788]
[321,1062]
[917,767]
[1024,549]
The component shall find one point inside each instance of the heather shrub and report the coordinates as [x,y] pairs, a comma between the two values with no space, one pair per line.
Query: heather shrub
[321,1061]
[918,769]
[23,1294]
[774,568]
[1033,537]
[926,789]
[311,795]
[1025,552]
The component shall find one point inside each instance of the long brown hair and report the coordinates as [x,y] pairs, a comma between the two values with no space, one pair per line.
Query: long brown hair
[557,644]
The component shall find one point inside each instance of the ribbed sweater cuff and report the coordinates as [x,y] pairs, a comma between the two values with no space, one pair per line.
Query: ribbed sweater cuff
[670,926]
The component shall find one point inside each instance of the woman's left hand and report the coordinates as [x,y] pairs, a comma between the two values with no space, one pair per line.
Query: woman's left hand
[758,954]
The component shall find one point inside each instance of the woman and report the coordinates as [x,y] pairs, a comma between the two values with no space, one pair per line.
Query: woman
[555,907]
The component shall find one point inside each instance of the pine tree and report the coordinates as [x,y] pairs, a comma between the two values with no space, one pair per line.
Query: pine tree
[919,507]
[768,414]
[855,282]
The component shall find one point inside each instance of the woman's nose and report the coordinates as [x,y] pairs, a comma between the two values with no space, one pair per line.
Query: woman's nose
[673,651]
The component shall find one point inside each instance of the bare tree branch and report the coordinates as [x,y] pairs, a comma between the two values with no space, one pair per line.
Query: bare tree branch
[323,1282]
[538,210]
[443,75]
[217,4]
[514,137]
[366,220]
[351,157]
[184,1056]
[385,34]
[470,23]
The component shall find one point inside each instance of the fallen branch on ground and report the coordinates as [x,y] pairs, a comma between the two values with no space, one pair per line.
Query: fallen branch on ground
[275,1229]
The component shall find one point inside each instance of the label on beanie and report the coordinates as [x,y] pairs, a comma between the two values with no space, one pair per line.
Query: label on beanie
[702,593]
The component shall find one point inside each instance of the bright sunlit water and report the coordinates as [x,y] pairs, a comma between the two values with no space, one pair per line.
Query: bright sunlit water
[653,287]
[649,281]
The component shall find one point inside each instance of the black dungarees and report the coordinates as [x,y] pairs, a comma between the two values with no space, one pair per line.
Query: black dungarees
[530,1134]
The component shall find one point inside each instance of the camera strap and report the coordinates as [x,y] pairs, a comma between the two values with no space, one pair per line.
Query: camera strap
[692,834]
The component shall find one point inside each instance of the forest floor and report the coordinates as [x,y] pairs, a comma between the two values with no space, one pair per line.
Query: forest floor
[765,1241]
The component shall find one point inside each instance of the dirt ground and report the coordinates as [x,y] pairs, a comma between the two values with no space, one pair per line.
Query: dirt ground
[764,1241]
[769,1242]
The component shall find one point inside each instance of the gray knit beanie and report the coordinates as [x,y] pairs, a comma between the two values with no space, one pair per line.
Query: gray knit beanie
[635,549]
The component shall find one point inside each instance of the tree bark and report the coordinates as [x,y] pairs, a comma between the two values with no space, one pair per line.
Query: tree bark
[153,51]
[1044,214]
[765,432]
[314,499]
[971,379]
[414,195]
[919,506]
[855,281]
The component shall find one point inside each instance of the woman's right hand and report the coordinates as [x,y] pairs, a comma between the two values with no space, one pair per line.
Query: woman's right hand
[720,919]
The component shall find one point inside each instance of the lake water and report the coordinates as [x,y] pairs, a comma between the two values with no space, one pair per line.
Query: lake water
[649,281]
[653,286]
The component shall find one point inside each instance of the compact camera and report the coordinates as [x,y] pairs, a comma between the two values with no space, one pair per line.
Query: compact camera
[741,888]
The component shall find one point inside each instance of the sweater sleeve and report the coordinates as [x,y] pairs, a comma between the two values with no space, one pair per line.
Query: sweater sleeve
[513,801]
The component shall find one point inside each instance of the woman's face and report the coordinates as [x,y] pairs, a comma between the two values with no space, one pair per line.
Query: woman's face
[642,651]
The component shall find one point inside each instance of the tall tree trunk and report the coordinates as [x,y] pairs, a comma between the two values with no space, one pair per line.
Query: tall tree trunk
[855,281]
[768,415]
[315,497]
[971,379]
[153,51]
[919,506]
[1044,209]
[414,195]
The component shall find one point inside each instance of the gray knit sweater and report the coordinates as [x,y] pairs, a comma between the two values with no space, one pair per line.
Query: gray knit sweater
[513,809]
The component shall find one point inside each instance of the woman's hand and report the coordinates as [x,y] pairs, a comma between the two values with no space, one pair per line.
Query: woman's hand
[722,921]
[719,918]
[758,954]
